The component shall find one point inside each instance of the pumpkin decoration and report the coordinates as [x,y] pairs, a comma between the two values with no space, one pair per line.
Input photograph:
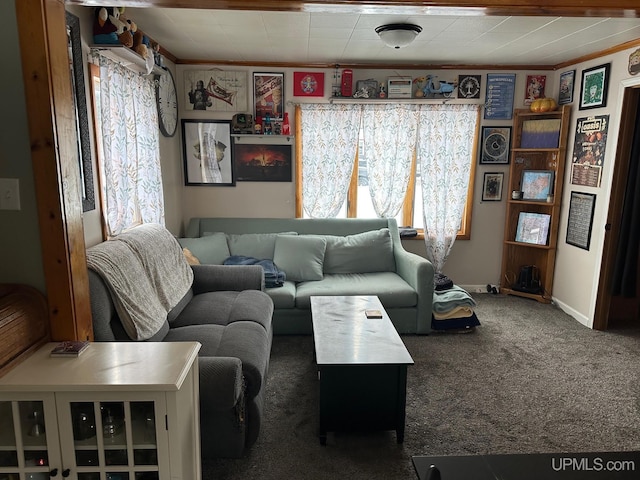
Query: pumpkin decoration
[543,105]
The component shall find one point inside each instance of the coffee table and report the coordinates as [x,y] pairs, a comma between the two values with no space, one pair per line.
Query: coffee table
[362,366]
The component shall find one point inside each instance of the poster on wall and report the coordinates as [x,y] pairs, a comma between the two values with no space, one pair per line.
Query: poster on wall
[534,88]
[499,96]
[588,150]
[580,223]
[308,84]
[215,90]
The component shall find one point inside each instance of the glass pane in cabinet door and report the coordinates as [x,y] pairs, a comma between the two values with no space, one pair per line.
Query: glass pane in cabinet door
[113,426]
[8,447]
[83,419]
[34,437]
[88,476]
[36,476]
[143,418]
[147,476]
[118,476]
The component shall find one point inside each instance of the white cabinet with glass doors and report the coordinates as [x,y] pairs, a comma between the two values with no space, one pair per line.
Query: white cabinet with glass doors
[130,422]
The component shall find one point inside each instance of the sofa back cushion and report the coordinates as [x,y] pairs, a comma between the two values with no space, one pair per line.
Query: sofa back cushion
[256,245]
[211,249]
[360,253]
[301,257]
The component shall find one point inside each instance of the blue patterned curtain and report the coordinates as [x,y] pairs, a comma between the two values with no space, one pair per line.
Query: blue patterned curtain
[329,140]
[445,148]
[389,144]
[132,181]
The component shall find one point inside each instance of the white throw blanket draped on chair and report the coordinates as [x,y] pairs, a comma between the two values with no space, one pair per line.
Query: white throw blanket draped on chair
[147,275]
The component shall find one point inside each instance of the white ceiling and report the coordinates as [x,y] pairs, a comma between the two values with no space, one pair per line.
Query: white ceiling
[326,38]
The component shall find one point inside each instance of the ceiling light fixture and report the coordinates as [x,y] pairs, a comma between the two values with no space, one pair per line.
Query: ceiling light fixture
[398,35]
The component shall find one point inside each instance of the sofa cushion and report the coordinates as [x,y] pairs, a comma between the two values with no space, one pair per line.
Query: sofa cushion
[256,245]
[301,256]
[360,253]
[284,296]
[390,288]
[225,307]
[211,249]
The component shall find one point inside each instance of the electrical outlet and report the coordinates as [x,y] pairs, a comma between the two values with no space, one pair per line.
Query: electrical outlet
[9,194]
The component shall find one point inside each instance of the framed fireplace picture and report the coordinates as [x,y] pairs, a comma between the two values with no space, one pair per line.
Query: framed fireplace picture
[262,162]
[207,151]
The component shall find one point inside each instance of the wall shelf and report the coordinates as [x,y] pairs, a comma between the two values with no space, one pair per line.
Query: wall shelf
[128,58]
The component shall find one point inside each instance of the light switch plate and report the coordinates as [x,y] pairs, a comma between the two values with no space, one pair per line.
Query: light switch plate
[9,194]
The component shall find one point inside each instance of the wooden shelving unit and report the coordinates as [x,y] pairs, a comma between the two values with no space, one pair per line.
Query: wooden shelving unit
[517,254]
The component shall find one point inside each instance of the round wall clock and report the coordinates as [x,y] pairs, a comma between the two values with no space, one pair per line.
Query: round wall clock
[167,101]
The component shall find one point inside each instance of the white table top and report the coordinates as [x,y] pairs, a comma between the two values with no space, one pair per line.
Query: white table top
[343,335]
[113,366]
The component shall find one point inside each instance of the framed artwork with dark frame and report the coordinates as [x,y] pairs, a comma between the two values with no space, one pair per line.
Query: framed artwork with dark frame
[595,83]
[537,184]
[261,162]
[492,187]
[76,64]
[580,222]
[207,152]
[268,95]
[495,145]
[567,80]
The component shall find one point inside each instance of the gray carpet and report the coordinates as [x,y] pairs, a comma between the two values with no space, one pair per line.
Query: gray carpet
[530,379]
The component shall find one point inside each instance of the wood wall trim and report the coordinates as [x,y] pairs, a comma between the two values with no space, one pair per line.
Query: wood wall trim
[54,154]
[573,8]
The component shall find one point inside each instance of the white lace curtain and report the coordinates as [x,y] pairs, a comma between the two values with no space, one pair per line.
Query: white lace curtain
[445,148]
[389,132]
[329,139]
[132,182]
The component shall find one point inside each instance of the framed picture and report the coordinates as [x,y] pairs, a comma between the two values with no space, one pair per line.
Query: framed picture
[595,83]
[492,187]
[268,95]
[308,84]
[495,145]
[536,184]
[262,162]
[215,90]
[499,95]
[533,228]
[580,223]
[76,63]
[534,88]
[567,79]
[207,151]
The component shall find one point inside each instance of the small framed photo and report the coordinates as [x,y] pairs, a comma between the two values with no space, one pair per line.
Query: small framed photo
[268,95]
[595,83]
[567,79]
[207,152]
[492,187]
[537,184]
[495,145]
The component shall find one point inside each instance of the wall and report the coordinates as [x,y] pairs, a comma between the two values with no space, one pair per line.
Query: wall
[473,263]
[20,252]
[577,270]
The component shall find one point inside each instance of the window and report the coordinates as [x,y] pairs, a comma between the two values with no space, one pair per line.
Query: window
[358,201]
[127,146]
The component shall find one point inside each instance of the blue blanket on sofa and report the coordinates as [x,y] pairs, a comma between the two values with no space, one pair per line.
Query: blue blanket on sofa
[273,276]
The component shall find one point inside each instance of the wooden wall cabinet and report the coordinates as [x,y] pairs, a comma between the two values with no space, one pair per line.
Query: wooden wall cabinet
[119,411]
[539,146]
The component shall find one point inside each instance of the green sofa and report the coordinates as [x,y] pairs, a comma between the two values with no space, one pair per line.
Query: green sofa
[324,257]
